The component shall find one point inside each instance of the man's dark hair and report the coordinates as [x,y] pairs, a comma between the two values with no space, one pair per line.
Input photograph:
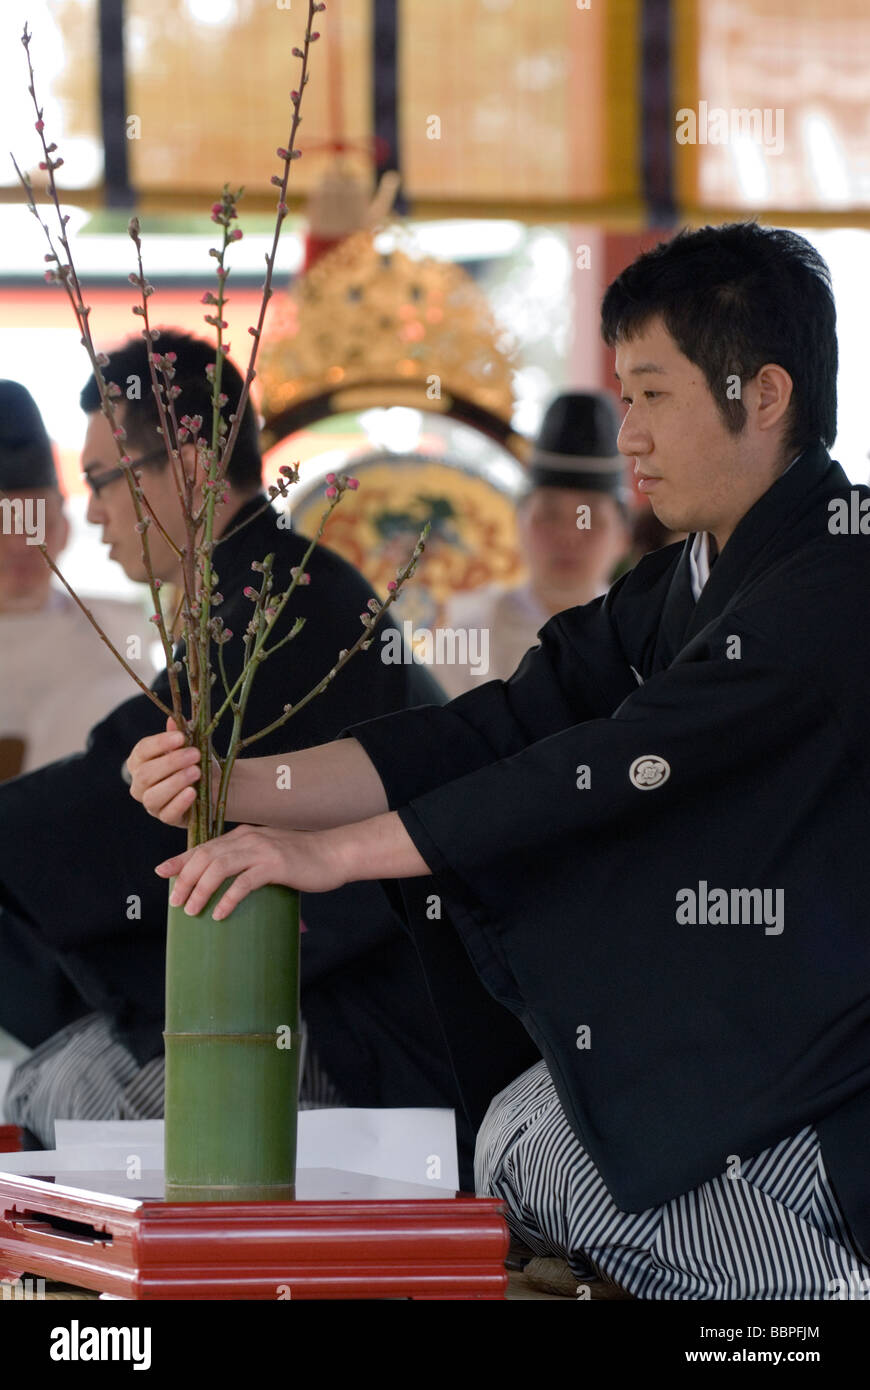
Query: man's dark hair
[733,298]
[141,418]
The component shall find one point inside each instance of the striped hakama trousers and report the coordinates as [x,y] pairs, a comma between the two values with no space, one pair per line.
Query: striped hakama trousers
[773,1232]
[85,1072]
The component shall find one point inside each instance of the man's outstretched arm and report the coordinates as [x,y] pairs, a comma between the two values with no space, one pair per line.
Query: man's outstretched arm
[328,785]
[312,861]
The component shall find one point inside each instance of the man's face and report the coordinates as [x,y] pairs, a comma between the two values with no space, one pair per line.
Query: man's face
[112,509]
[25,578]
[562,556]
[698,476]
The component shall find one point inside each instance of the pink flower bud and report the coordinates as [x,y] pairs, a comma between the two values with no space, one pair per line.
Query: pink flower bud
[216,208]
[352,483]
[155,618]
[392,586]
[249,592]
[171,356]
[330,477]
[40,126]
[332,492]
[235,235]
[281,152]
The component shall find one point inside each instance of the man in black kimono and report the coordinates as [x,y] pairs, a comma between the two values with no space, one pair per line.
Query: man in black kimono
[649,844]
[82,916]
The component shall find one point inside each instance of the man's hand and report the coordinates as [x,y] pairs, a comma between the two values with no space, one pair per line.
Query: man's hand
[305,859]
[332,783]
[163,773]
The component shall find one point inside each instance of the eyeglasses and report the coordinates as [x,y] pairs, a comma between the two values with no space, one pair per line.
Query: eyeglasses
[96,484]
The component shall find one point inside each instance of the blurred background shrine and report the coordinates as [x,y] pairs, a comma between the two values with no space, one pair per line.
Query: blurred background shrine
[475,172]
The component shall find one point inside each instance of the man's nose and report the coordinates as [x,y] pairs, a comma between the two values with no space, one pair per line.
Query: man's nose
[632,438]
[94,512]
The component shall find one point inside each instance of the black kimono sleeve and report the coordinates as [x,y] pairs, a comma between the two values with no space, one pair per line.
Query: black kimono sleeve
[579,671]
[673,1044]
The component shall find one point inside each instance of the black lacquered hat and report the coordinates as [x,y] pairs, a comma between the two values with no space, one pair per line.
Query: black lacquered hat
[26,459]
[576,445]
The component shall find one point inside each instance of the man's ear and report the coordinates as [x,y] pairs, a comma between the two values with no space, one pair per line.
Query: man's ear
[774,387]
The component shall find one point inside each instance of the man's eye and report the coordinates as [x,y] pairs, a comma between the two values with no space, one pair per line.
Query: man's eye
[652,395]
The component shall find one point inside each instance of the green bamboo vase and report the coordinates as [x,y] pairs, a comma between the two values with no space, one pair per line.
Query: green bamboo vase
[232,1050]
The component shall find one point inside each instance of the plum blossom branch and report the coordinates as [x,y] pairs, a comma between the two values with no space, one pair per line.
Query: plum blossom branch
[65,274]
[212,459]
[369,620]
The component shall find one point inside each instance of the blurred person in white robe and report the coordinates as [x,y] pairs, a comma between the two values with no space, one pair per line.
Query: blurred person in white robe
[57,678]
[573,530]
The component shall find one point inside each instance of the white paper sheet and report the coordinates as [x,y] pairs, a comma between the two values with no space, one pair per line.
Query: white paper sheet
[416,1146]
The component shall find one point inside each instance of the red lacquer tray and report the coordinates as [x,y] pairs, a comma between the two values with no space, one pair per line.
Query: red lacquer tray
[10,1139]
[344,1236]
